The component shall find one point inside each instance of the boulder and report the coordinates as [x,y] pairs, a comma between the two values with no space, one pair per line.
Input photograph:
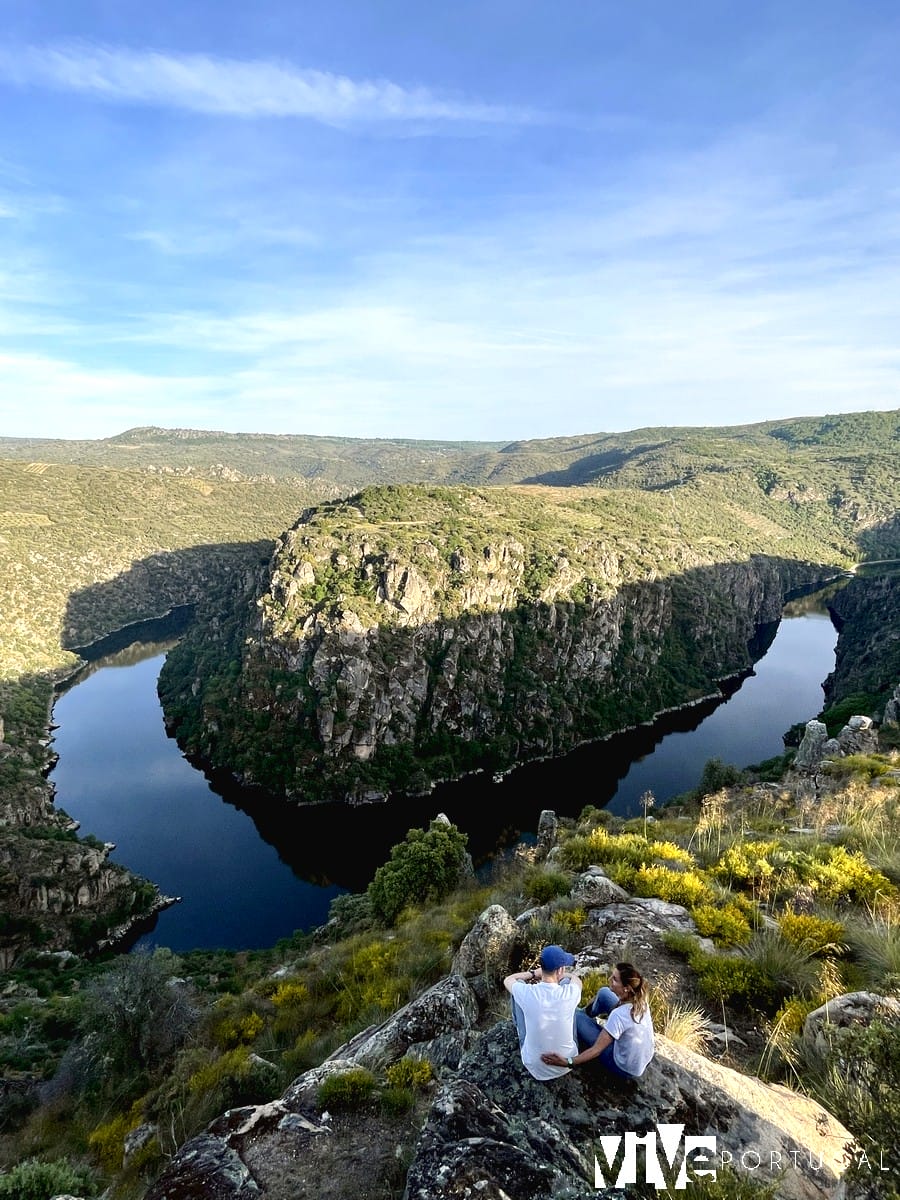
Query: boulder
[450,1004]
[547,830]
[495,1131]
[594,889]
[892,710]
[205,1168]
[637,924]
[136,1140]
[859,736]
[811,748]
[823,1025]
[445,1051]
[487,947]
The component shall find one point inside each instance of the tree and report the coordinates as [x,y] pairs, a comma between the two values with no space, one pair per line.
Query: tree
[137,1014]
[426,866]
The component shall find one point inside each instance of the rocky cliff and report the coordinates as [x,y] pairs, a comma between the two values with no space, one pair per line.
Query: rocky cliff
[411,634]
[867,660]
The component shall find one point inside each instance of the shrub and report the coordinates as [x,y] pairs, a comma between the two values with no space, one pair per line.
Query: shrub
[793,1013]
[746,864]
[684,944]
[291,1001]
[726,925]
[677,887]
[236,1077]
[426,866]
[716,776]
[543,886]
[570,919]
[370,983]
[815,935]
[134,1017]
[786,969]
[396,1100]
[857,704]
[107,1141]
[860,766]
[877,947]
[352,912]
[34,1179]
[237,1030]
[410,1072]
[862,1088]
[839,874]
[577,853]
[737,981]
[347,1089]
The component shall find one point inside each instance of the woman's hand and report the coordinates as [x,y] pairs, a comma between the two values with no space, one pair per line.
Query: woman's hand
[552,1059]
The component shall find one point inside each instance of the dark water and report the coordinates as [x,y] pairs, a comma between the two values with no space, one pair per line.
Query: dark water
[251,871]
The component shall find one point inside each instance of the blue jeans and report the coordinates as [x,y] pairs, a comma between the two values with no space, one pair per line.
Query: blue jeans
[587,1030]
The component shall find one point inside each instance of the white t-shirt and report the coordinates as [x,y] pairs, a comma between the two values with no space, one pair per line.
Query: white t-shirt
[634,1041]
[549,1010]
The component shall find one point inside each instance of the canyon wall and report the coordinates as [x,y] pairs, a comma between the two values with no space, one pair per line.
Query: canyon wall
[380,652]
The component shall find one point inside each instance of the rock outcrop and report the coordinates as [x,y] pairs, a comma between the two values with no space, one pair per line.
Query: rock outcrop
[824,1026]
[380,655]
[495,1131]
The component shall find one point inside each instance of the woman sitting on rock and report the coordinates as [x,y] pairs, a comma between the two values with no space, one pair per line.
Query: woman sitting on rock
[625,1044]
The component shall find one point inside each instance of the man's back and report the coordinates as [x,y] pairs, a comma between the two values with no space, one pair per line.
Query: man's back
[549,1011]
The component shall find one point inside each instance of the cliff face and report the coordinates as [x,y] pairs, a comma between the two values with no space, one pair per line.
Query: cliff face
[867,659]
[381,653]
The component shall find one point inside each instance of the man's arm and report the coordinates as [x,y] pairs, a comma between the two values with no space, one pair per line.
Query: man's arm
[531,976]
[552,1059]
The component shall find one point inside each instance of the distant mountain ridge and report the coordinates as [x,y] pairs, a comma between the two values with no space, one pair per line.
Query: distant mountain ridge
[653,457]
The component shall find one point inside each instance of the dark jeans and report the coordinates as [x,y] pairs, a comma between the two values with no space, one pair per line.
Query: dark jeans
[587,1030]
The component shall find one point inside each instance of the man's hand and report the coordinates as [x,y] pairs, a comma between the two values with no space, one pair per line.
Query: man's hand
[552,1059]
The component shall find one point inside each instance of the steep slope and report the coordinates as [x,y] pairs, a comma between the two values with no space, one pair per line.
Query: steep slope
[410,634]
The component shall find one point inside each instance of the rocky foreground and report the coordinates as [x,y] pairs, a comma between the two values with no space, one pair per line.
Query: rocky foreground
[493,1131]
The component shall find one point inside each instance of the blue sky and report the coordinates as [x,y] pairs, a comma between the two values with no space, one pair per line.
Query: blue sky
[486,220]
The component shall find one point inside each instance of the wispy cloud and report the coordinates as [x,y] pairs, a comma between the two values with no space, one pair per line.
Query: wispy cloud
[232,87]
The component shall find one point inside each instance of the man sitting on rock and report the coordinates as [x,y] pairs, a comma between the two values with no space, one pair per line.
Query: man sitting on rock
[544,1001]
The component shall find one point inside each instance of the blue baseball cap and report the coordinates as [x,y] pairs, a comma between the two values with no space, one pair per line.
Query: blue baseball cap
[554,957]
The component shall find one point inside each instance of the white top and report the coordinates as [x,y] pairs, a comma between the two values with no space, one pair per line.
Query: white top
[634,1041]
[549,1010]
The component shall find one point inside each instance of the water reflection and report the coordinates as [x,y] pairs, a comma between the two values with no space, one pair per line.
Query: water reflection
[254,869]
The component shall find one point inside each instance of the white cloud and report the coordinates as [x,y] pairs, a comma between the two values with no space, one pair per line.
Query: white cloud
[232,87]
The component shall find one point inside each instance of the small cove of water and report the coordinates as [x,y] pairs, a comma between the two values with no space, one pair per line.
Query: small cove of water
[251,871]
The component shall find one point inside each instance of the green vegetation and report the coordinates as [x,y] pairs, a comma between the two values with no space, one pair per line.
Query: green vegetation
[34,1179]
[348,1089]
[225,1029]
[866,1098]
[422,576]
[97,535]
[425,867]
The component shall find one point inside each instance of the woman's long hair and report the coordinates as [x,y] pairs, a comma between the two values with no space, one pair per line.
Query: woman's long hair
[637,987]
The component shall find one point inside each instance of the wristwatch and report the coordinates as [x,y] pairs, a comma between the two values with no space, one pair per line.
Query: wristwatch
[570,1062]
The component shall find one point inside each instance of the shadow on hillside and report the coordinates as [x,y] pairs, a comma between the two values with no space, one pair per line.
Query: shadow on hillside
[591,467]
[108,616]
[881,541]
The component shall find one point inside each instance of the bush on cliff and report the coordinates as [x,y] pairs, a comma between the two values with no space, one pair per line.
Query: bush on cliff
[38,1180]
[135,1016]
[426,866]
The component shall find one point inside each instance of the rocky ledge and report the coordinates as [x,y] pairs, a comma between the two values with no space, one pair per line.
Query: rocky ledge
[493,1132]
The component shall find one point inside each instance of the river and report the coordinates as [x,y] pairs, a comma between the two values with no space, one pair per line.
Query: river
[250,871]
